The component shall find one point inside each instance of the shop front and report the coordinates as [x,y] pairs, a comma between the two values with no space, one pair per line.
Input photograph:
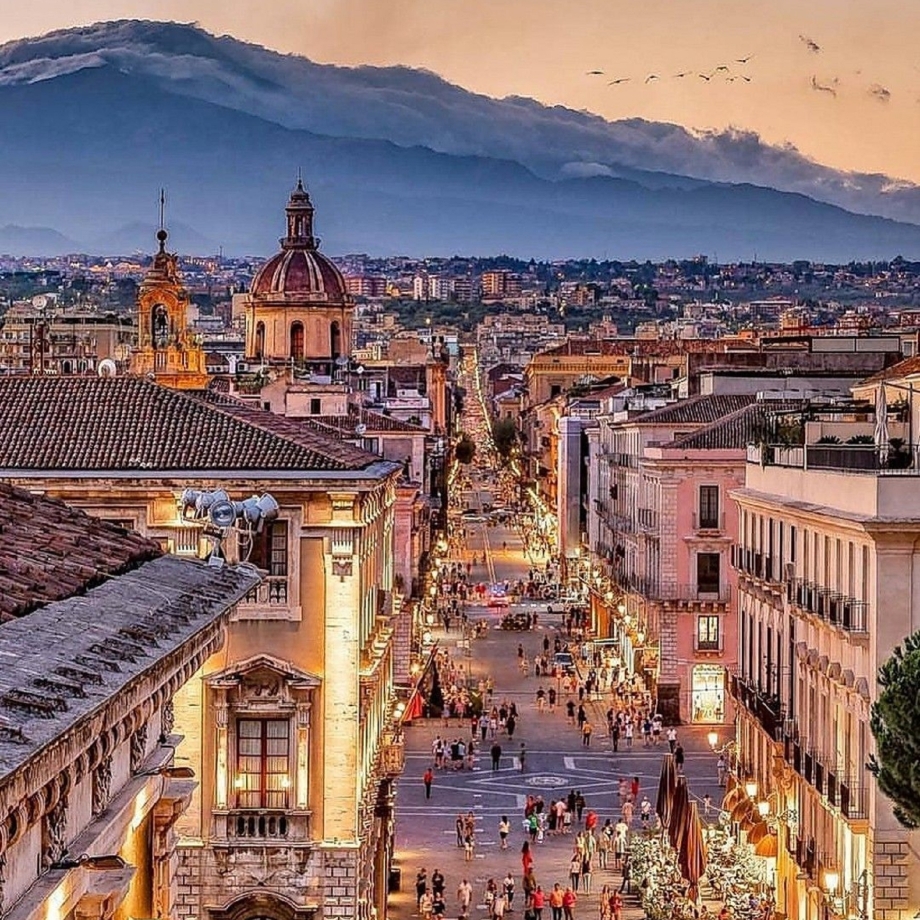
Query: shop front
[707,693]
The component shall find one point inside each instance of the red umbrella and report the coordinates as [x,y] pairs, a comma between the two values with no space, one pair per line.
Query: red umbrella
[692,854]
[667,782]
[679,813]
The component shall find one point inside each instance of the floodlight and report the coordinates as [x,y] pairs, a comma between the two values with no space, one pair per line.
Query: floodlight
[269,508]
[222,513]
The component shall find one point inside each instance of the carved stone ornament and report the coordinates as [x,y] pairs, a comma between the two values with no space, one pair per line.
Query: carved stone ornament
[168,718]
[54,834]
[102,786]
[138,748]
[341,567]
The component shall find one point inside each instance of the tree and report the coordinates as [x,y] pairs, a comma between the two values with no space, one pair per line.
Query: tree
[466,449]
[895,723]
[505,436]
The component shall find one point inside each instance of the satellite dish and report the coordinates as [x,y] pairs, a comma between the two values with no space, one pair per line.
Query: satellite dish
[360,429]
[222,513]
[107,368]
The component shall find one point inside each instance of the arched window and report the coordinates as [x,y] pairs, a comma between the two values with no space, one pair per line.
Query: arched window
[260,340]
[66,367]
[335,340]
[297,341]
[159,326]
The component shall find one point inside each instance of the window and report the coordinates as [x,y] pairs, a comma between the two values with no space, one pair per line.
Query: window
[262,763]
[316,407]
[260,340]
[709,507]
[708,572]
[707,633]
[554,390]
[297,341]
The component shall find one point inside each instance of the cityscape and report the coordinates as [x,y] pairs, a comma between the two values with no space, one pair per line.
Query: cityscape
[509,554]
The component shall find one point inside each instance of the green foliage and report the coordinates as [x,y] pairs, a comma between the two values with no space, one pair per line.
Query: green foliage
[895,723]
[828,439]
[861,439]
[505,436]
[465,449]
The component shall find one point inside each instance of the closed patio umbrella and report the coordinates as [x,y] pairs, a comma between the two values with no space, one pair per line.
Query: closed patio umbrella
[679,813]
[882,437]
[692,854]
[667,782]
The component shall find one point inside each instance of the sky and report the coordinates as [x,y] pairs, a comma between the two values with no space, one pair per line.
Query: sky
[838,79]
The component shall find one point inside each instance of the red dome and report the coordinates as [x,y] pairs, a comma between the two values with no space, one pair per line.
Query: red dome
[300,272]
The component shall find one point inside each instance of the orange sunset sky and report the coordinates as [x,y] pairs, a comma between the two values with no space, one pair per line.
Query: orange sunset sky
[853,104]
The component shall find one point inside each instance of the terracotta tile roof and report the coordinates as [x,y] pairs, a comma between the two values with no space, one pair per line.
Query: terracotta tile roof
[904,368]
[294,429]
[697,410]
[735,430]
[50,551]
[637,348]
[339,426]
[128,423]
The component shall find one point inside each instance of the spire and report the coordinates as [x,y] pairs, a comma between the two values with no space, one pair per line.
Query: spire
[161,233]
[299,219]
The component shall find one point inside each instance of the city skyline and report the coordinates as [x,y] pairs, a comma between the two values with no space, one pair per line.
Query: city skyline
[837,83]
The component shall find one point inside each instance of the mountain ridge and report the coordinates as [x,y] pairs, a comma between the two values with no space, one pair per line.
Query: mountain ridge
[117,137]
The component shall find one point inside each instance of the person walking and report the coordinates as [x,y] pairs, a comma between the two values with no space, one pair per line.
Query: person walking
[458,826]
[504,828]
[629,734]
[522,757]
[421,885]
[428,779]
[569,899]
[537,903]
[616,906]
[555,901]
[679,758]
[464,898]
[720,769]
[586,731]
[496,752]
[672,738]
[575,869]
[468,847]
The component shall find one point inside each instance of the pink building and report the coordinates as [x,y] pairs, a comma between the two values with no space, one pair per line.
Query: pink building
[670,540]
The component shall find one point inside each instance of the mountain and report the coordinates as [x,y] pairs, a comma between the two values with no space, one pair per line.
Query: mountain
[397,161]
[36,241]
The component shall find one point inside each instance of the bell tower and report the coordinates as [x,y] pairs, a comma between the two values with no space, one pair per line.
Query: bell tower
[166,350]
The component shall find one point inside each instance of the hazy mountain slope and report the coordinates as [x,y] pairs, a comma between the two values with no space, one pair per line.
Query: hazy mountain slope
[415,107]
[91,148]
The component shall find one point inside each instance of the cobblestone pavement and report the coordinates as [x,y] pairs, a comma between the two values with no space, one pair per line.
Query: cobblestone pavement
[556,762]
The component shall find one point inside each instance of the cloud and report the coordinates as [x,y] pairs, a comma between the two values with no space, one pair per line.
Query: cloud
[878,92]
[580,170]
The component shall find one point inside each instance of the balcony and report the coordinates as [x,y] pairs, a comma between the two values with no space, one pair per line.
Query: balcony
[854,801]
[267,827]
[709,523]
[765,709]
[648,519]
[271,592]
[848,458]
[839,610]
[696,594]
[712,646]
[392,754]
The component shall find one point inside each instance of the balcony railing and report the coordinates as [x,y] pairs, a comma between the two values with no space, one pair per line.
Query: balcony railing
[854,800]
[851,458]
[756,564]
[392,754]
[709,522]
[651,589]
[708,645]
[264,826]
[839,610]
[272,592]
[648,518]
[766,709]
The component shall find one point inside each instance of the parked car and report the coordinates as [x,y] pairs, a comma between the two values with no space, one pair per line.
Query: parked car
[564,662]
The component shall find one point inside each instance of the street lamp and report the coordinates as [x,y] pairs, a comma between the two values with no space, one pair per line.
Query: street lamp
[750,787]
[169,772]
[110,862]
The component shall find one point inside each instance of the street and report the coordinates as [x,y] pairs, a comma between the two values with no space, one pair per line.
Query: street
[556,759]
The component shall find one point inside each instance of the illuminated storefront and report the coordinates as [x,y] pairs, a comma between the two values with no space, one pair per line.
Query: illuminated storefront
[708,693]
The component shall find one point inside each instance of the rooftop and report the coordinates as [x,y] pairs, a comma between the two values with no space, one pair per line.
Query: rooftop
[697,410]
[50,551]
[61,662]
[735,430]
[93,424]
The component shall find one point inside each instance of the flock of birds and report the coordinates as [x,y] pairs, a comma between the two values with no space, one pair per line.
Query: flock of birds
[731,73]
[723,70]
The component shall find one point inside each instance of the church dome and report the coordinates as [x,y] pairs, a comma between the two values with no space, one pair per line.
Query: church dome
[300,271]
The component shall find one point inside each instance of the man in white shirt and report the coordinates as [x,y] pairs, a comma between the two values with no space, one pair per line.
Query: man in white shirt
[464,897]
[672,738]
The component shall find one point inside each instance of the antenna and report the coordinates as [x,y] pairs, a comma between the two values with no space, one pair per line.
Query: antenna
[162,208]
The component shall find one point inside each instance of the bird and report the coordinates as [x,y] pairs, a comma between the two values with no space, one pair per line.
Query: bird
[683,73]
[745,78]
[722,67]
[651,76]
[619,80]
[810,44]
[705,76]
[743,60]
[595,73]
[822,88]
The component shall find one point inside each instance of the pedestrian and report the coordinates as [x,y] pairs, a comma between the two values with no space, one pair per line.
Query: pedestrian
[555,901]
[510,724]
[427,779]
[720,769]
[541,698]
[537,903]
[629,734]
[504,828]
[458,826]
[616,906]
[421,885]
[575,869]
[464,897]
[526,857]
[426,905]
[586,731]
[603,849]
[569,899]
[496,755]
[615,735]
[522,757]
[437,883]
[586,873]
[570,711]
[468,845]
[645,812]
[679,758]
[707,804]
[508,885]
[625,884]
[628,810]
[579,804]
[551,696]
[634,788]
[672,738]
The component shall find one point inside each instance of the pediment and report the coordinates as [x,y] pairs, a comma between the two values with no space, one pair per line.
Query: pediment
[265,673]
